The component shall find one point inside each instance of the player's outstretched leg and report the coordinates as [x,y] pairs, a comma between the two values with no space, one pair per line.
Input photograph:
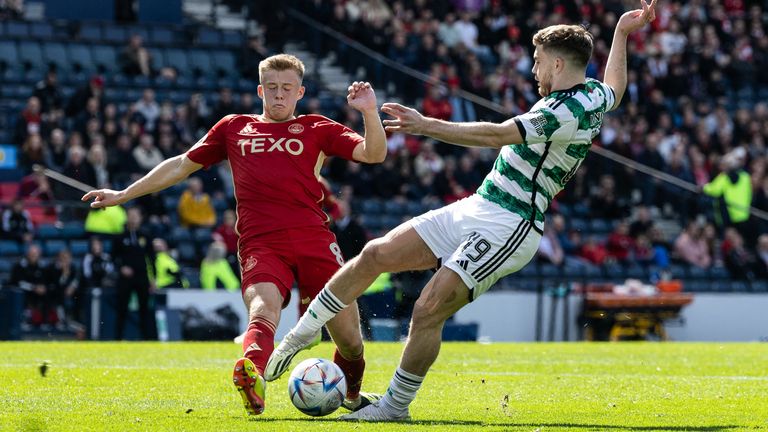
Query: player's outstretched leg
[445,294]
[400,250]
[264,302]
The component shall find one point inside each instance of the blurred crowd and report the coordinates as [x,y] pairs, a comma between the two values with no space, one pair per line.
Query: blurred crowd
[694,109]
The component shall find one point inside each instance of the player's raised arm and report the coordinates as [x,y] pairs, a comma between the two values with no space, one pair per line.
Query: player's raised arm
[167,173]
[616,68]
[374,149]
[472,134]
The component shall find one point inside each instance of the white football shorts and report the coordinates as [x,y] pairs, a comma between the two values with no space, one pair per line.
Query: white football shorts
[479,240]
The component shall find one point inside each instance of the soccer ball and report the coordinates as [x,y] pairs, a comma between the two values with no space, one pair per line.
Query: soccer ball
[317,387]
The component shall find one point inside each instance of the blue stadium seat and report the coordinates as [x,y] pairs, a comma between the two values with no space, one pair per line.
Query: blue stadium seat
[160,36]
[9,55]
[209,37]
[225,64]
[53,247]
[600,225]
[78,248]
[187,252]
[574,271]
[760,286]
[171,203]
[220,204]
[47,231]
[91,32]
[636,272]
[9,248]
[180,234]
[529,270]
[719,273]
[105,58]
[192,275]
[107,244]
[579,225]
[232,38]
[695,272]
[80,58]
[736,286]
[549,271]
[177,59]
[17,29]
[138,30]
[696,285]
[372,206]
[389,221]
[415,208]
[55,54]
[41,30]
[395,208]
[371,221]
[115,34]
[73,230]
[6,265]
[202,235]
[678,271]
[200,62]
[30,55]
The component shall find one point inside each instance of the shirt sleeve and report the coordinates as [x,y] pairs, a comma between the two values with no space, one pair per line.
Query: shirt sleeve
[339,139]
[212,148]
[610,96]
[543,125]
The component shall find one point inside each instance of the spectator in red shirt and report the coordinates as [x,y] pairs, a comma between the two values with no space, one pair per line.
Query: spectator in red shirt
[620,244]
[226,233]
[436,105]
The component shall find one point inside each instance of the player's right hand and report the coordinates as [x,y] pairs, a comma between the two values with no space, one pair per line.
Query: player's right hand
[407,120]
[103,198]
[638,18]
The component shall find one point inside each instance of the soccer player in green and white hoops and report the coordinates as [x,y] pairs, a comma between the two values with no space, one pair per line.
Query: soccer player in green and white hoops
[494,232]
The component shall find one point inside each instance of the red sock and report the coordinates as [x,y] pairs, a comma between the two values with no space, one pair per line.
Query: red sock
[353,372]
[259,342]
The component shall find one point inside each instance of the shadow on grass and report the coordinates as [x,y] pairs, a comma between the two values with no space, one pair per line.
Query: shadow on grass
[575,426]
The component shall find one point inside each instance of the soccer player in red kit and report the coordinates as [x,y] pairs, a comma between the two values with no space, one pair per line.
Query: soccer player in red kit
[283,233]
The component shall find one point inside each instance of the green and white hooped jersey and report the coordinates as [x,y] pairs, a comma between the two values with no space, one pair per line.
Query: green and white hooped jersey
[557,133]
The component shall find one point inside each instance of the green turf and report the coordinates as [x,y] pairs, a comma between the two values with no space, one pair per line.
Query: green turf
[517,387]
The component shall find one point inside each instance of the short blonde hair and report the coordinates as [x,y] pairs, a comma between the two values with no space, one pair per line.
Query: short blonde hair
[573,41]
[281,62]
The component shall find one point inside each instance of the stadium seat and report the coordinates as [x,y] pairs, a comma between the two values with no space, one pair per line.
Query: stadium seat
[179,234]
[41,30]
[90,32]
[759,286]
[187,252]
[389,221]
[199,62]
[78,248]
[371,221]
[105,58]
[73,230]
[232,38]
[735,286]
[579,225]
[192,275]
[549,271]
[177,58]
[678,271]
[80,58]
[371,206]
[696,285]
[696,272]
[9,56]
[53,247]
[600,226]
[529,270]
[138,30]
[202,235]
[395,208]
[31,56]
[115,34]
[9,248]
[55,54]
[719,273]
[224,63]
[414,208]
[17,29]
[171,203]
[160,36]
[6,266]
[636,272]
[209,37]
[48,231]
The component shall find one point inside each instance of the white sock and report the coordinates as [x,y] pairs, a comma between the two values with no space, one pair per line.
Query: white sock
[322,309]
[402,390]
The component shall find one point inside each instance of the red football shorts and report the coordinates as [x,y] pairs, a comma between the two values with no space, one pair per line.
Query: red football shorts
[308,256]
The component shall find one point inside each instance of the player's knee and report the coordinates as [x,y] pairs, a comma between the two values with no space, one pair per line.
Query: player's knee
[376,257]
[425,316]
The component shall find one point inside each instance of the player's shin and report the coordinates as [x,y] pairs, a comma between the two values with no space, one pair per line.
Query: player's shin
[321,310]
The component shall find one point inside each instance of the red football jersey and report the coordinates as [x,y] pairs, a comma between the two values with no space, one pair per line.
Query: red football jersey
[275,167]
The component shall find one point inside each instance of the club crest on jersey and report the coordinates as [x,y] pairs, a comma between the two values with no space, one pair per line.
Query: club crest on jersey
[250,130]
[250,263]
[296,128]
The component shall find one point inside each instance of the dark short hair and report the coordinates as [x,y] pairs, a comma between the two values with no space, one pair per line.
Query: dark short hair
[571,41]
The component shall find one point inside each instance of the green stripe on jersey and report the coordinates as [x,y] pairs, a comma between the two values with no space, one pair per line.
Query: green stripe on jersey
[578,151]
[556,173]
[551,124]
[584,117]
[505,169]
[527,154]
[494,194]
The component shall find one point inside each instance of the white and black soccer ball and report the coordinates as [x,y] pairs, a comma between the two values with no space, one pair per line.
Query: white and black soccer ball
[317,387]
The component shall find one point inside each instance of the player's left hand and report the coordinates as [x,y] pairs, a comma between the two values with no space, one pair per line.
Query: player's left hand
[407,120]
[638,18]
[361,96]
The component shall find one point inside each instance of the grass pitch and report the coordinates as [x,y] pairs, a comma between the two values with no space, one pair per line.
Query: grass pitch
[509,387]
